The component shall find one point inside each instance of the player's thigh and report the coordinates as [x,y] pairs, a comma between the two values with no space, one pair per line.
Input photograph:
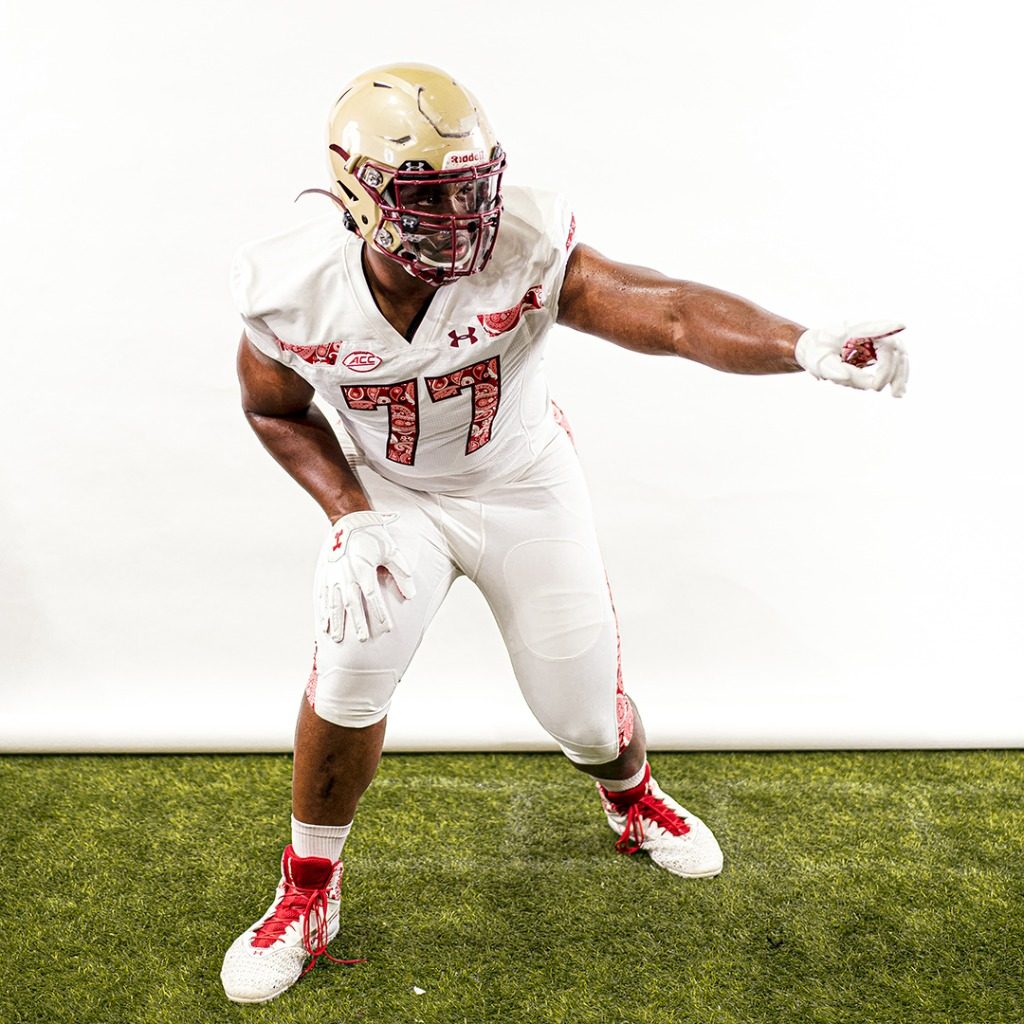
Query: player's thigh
[355,680]
[544,578]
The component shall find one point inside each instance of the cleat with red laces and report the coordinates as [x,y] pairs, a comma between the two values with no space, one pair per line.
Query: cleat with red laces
[271,956]
[645,818]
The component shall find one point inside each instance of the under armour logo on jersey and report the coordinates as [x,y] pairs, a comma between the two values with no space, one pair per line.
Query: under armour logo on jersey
[458,338]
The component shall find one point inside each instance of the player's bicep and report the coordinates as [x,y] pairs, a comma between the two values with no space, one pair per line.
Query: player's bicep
[629,305]
[268,387]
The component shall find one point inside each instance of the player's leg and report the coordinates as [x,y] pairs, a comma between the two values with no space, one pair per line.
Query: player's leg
[544,578]
[632,756]
[332,768]
[340,730]
[338,741]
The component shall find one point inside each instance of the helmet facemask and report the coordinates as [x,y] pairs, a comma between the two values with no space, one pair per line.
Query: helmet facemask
[440,225]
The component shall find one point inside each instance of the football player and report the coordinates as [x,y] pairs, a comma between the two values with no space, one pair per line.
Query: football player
[417,308]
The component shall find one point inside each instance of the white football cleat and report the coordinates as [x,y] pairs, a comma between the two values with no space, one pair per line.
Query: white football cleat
[676,840]
[271,956]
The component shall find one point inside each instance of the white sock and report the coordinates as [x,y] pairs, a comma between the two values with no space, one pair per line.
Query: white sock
[319,840]
[621,785]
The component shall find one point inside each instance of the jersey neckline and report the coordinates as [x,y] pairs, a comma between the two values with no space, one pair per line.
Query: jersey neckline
[376,319]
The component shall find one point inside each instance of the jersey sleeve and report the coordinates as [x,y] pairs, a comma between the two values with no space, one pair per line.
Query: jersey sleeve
[564,240]
[555,221]
[243,294]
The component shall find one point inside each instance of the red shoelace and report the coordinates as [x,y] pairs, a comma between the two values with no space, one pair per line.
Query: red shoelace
[312,905]
[654,810]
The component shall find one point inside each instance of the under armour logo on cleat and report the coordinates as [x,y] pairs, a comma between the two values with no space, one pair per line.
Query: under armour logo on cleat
[456,337]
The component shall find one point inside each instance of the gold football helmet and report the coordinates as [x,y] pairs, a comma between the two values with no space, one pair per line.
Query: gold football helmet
[417,169]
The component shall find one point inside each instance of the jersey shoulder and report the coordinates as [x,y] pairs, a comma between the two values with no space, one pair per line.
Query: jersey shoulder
[538,219]
[287,271]
[533,246]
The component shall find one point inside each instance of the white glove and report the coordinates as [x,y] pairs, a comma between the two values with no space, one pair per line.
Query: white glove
[843,356]
[356,546]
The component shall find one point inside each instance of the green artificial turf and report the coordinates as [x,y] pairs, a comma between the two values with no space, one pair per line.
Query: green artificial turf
[879,887]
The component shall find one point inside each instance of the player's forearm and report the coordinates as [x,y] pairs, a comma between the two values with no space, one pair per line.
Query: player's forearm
[648,312]
[729,333]
[306,446]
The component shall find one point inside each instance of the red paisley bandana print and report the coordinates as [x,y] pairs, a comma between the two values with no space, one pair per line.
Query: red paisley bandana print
[314,353]
[500,323]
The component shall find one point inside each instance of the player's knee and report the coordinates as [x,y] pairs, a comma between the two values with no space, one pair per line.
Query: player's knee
[355,698]
[588,739]
[590,749]
[563,610]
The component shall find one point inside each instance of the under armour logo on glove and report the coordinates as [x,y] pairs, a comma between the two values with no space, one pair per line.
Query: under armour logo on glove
[457,338]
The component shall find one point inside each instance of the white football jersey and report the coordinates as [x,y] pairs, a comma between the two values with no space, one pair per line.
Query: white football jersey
[462,406]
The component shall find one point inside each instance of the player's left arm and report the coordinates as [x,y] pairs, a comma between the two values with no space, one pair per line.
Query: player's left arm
[643,310]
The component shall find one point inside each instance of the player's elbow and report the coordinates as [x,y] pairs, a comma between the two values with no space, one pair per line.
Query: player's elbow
[268,419]
[679,333]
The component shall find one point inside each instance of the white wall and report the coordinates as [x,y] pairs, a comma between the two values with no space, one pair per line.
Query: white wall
[794,564]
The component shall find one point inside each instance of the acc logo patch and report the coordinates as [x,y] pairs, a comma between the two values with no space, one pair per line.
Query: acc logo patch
[362,362]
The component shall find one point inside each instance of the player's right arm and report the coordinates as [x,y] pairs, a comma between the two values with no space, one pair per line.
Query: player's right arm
[278,404]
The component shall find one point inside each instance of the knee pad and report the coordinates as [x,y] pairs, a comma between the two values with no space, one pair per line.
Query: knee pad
[599,744]
[354,698]
[590,749]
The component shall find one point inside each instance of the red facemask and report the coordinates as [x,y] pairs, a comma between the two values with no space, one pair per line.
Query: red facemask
[446,222]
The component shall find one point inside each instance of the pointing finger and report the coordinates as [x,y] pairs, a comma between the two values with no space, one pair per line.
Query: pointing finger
[872,330]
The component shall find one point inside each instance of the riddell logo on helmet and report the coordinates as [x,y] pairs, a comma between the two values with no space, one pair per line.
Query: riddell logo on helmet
[463,156]
[361,362]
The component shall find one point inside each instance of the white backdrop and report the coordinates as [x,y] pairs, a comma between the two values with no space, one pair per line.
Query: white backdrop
[794,564]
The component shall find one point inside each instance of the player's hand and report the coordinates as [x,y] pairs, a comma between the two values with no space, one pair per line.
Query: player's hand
[347,586]
[868,355]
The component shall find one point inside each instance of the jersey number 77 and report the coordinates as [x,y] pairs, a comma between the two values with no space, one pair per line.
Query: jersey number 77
[402,403]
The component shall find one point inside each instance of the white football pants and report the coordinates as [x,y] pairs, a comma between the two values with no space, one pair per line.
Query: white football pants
[531,548]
